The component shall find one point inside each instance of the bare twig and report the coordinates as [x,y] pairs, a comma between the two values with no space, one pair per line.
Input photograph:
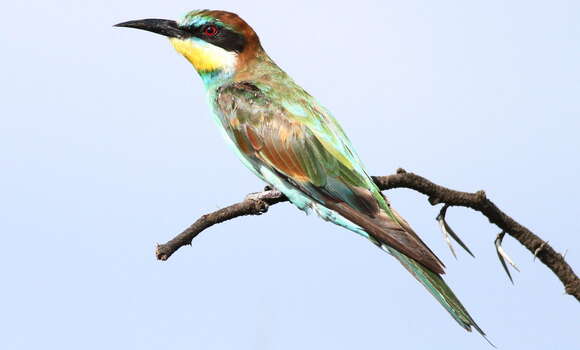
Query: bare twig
[259,203]
[254,204]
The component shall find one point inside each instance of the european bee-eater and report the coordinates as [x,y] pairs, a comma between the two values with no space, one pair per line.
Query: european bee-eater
[285,137]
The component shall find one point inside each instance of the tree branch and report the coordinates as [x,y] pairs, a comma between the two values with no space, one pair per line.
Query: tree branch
[258,203]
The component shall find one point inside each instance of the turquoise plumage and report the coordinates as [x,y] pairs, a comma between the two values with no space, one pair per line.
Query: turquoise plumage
[285,137]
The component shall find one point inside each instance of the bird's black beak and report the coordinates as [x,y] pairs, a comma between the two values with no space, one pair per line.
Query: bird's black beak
[160,26]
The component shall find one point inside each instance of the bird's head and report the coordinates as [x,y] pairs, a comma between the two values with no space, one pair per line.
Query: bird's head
[217,43]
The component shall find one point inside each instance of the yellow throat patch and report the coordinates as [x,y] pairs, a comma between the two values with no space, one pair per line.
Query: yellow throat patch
[203,56]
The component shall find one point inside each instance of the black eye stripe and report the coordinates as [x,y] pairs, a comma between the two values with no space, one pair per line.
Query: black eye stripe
[225,38]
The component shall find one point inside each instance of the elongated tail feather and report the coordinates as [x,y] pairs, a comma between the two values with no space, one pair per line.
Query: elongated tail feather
[435,284]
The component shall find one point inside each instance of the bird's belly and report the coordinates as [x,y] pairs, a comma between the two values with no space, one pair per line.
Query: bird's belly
[297,197]
[305,203]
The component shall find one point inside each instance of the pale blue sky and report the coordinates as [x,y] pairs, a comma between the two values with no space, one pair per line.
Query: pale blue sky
[107,147]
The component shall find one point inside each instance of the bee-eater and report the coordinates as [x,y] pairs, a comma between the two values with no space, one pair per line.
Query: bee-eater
[285,137]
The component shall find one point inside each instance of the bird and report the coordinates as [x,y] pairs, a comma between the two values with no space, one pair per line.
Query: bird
[289,140]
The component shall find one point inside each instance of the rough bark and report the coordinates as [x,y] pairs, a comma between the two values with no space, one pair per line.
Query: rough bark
[258,203]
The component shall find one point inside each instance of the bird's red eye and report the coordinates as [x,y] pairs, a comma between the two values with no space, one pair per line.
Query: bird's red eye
[210,30]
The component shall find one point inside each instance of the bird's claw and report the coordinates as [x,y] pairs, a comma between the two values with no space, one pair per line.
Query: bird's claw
[255,196]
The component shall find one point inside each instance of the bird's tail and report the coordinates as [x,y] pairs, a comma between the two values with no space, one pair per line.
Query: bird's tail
[439,289]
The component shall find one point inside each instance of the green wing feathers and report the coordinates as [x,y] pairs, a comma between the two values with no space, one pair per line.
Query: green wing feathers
[311,152]
[435,284]
[297,139]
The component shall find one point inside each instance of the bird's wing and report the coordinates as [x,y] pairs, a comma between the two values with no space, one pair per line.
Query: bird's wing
[307,147]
